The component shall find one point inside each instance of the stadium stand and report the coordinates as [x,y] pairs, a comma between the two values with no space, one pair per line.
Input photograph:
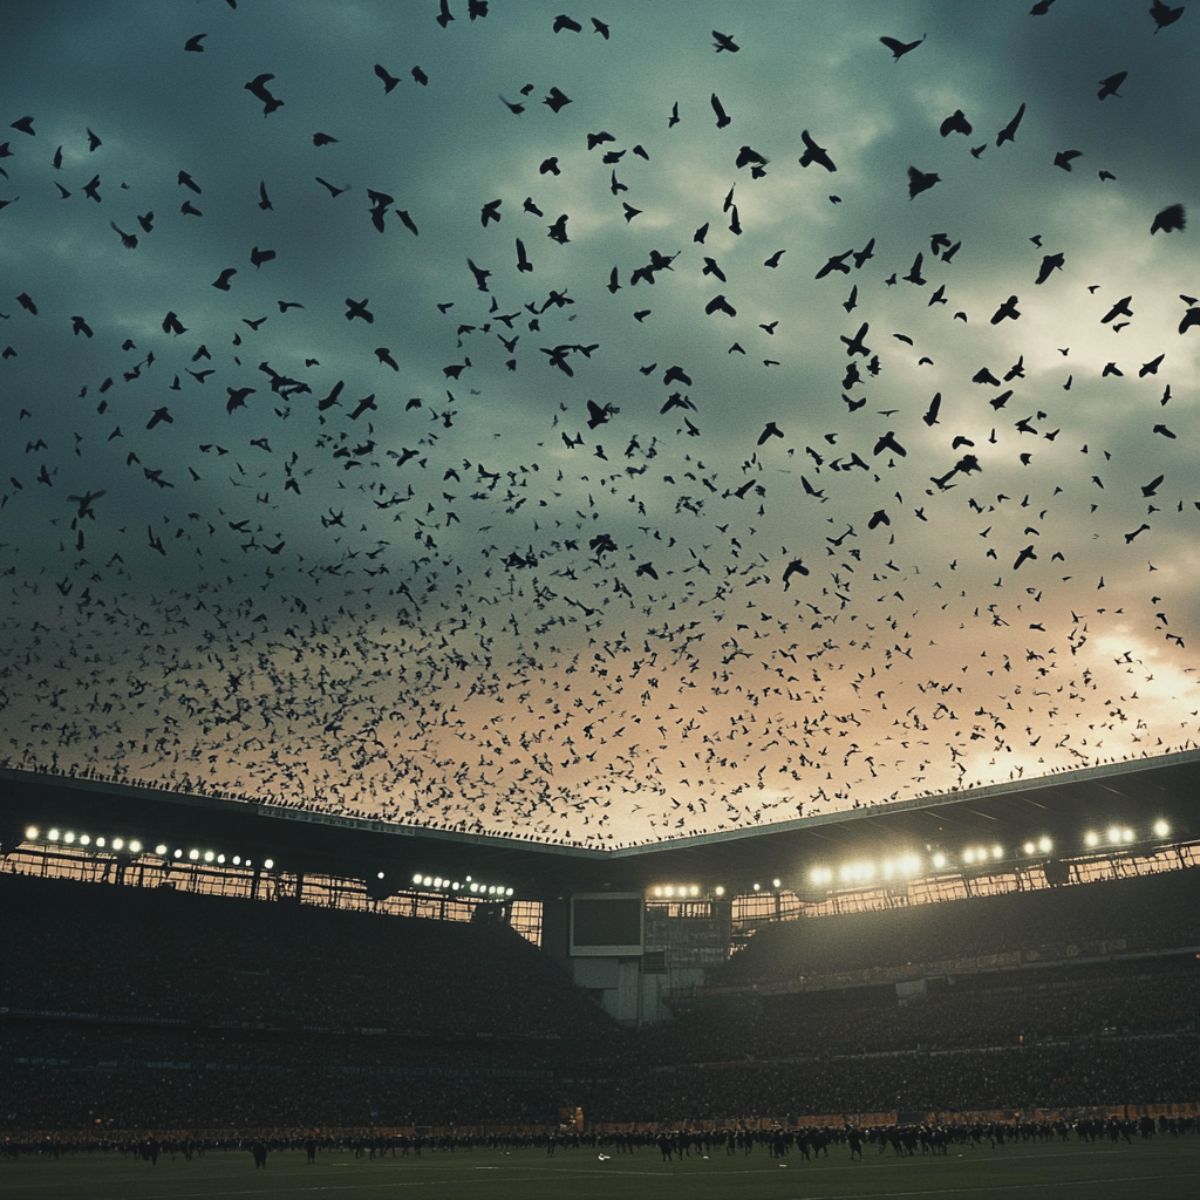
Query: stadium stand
[127,1009]
[1142,913]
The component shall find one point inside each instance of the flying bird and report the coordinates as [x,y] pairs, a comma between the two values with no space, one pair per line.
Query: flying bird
[920,181]
[814,153]
[898,48]
[1169,219]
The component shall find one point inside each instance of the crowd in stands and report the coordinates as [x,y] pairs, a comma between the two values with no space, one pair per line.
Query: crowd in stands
[1144,912]
[122,1009]
[172,956]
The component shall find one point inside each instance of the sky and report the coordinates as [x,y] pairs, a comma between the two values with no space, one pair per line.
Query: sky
[387,441]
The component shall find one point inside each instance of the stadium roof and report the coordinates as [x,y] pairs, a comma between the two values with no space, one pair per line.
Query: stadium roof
[1133,794]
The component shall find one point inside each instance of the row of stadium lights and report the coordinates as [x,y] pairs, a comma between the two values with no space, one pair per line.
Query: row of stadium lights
[473,886]
[134,847]
[910,865]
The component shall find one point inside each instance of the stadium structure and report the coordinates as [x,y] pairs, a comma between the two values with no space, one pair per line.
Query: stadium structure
[166,936]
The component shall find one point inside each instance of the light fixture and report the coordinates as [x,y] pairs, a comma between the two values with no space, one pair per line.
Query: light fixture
[194,855]
[221,859]
[1091,838]
[135,846]
[160,849]
[1161,828]
[177,853]
[1029,848]
[378,874]
[85,839]
[100,842]
[237,860]
[1045,845]
[68,837]
[718,891]
[775,883]
[269,864]
[118,843]
[938,860]
[31,833]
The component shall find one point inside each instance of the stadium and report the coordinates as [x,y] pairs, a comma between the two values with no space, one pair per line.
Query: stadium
[599,602]
[189,974]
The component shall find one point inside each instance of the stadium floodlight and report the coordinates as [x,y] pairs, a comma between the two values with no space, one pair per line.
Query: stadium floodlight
[1127,834]
[69,837]
[508,891]
[194,855]
[718,891]
[475,888]
[160,849]
[1161,828]
[1091,838]
[656,891]
[938,860]
[437,881]
[100,842]
[1029,848]
[53,835]
[758,887]
[968,855]
[209,855]
[32,832]
[455,886]
[220,860]
[669,890]
[417,879]
[135,846]
[177,853]
[997,852]
[775,883]
[118,843]
[1045,845]
[237,860]
[378,874]
[269,864]
[85,839]
[910,864]
[1113,834]
[249,862]
[694,890]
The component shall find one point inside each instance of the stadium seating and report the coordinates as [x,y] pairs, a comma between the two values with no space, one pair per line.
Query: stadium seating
[124,1010]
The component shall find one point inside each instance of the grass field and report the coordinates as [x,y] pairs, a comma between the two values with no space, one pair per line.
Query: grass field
[1162,1169]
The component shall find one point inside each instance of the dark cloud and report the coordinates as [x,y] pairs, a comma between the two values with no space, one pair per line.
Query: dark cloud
[466,605]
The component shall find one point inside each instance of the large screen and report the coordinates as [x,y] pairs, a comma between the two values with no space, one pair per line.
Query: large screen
[607,923]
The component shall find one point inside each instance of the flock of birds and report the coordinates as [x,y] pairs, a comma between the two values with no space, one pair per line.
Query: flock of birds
[616,605]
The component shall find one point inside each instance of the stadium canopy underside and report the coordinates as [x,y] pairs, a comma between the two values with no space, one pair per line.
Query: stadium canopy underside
[1059,806]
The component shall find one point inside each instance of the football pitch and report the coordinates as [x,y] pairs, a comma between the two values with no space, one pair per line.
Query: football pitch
[1161,1169]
